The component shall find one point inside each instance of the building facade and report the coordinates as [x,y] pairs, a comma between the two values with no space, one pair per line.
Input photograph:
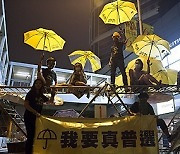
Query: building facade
[4,58]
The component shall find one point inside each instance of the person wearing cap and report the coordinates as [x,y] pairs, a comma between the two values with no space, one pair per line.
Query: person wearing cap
[47,75]
[117,58]
[144,108]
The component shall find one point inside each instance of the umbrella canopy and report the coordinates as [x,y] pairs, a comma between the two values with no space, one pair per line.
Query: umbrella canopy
[172,76]
[43,39]
[118,12]
[151,46]
[168,76]
[87,58]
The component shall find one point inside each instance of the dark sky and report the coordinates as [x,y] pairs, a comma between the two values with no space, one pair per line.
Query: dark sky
[68,18]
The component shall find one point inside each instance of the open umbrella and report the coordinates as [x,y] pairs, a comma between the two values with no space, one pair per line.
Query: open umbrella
[43,39]
[168,76]
[151,46]
[88,60]
[118,12]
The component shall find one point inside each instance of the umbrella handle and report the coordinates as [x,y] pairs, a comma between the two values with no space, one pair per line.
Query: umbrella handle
[150,50]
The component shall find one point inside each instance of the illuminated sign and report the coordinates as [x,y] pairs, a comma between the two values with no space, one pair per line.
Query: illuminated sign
[174,43]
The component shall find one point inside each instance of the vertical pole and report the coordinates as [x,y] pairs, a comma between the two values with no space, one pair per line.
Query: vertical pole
[10,74]
[140,18]
[9,129]
[32,76]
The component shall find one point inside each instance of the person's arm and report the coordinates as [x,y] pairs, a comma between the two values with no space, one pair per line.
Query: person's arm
[55,80]
[40,63]
[134,108]
[151,110]
[39,70]
[51,100]
[83,77]
[72,77]
[29,108]
[148,66]
[131,77]
[110,60]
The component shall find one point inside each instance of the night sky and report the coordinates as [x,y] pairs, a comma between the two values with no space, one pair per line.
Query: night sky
[68,18]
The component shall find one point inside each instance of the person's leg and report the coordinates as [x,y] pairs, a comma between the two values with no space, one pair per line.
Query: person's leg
[30,129]
[152,79]
[123,72]
[148,79]
[113,72]
[163,126]
[144,79]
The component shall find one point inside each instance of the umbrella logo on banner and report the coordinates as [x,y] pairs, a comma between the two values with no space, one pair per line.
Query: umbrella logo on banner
[47,134]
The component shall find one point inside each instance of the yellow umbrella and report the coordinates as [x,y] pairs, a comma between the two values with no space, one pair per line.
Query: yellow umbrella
[86,58]
[43,39]
[168,76]
[151,46]
[118,12]
[172,76]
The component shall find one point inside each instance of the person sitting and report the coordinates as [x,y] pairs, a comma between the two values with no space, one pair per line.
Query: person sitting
[140,77]
[78,78]
[144,108]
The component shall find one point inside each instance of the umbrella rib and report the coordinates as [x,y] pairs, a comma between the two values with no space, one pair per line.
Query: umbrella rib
[107,9]
[39,41]
[56,40]
[143,47]
[93,62]
[49,43]
[158,50]
[125,13]
[31,36]
[110,13]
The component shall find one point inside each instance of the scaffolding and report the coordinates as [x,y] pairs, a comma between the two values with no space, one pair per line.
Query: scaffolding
[107,90]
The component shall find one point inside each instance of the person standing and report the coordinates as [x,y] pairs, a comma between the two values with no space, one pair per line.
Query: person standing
[117,58]
[47,75]
[140,77]
[33,104]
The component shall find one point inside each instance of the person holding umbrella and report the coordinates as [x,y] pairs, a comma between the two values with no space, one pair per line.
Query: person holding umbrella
[33,104]
[140,77]
[47,75]
[117,58]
